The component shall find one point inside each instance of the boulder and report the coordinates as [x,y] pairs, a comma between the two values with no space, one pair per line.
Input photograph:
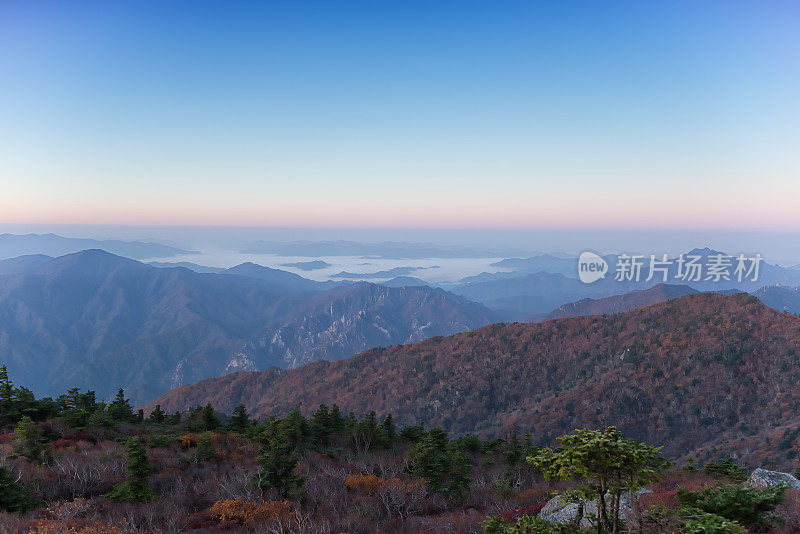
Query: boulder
[557,510]
[762,478]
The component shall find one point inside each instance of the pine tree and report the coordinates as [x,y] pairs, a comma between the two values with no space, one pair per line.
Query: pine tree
[336,420]
[443,467]
[239,421]
[157,415]
[28,441]
[278,464]
[294,427]
[321,425]
[76,407]
[513,452]
[7,411]
[209,418]
[205,447]
[14,497]
[120,409]
[135,487]
[390,429]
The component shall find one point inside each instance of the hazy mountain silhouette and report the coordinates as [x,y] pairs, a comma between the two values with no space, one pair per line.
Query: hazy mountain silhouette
[99,321]
[12,245]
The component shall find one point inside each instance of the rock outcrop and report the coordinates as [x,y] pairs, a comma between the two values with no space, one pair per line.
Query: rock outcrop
[559,510]
[762,478]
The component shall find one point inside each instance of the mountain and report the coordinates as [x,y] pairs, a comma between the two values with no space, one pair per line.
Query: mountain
[22,263]
[277,276]
[519,294]
[388,273]
[523,295]
[98,321]
[188,265]
[545,262]
[781,298]
[621,303]
[684,373]
[347,320]
[307,265]
[404,281]
[12,245]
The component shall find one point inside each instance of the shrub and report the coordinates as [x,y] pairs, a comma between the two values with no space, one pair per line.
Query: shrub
[161,441]
[743,504]
[534,496]
[368,484]
[728,468]
[699,522]
[526,524]
[52,527]
[188,440]
[688,520]
[251,512]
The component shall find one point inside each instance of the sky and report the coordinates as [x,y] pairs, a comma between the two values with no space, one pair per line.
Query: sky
[638,115]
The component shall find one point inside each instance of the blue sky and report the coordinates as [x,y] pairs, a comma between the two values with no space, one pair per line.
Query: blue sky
[451,114]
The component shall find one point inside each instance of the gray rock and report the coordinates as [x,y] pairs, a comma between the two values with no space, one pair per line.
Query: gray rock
[762,478]
[557,510]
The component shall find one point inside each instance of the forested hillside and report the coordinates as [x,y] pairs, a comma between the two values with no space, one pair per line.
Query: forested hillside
[685,373]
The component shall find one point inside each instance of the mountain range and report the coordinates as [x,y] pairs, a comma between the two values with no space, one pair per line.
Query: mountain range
[98,321]
[539,284]
[621,303]
[12,246]
[689,373]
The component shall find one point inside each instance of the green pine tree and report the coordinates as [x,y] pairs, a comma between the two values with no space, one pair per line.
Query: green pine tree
[205,448]
[157,415]
[239,421]
[209,418]
[278,468]
[320,425]
[391,431]
[14,496]
[135,487]
[28,440]
[8,412]
[336,420]
[120,409]
[443,467]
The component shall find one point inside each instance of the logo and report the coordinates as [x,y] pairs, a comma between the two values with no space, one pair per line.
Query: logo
[591,267]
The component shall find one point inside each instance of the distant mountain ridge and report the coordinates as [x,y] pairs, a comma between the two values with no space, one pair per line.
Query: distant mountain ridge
[685,373]
[542,283]
[622,303]
[781,298]
[98,321]
[12,245]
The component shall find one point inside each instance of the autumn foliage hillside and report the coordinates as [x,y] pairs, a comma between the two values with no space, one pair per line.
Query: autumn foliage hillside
[688,374]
